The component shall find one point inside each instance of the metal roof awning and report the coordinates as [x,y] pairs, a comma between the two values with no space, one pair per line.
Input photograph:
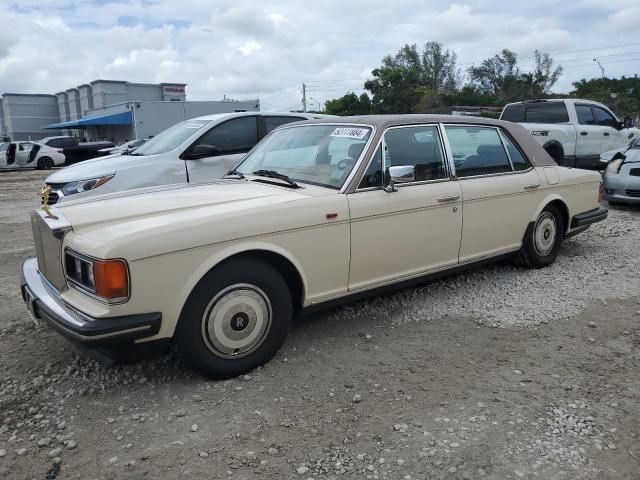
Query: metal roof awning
[123,118]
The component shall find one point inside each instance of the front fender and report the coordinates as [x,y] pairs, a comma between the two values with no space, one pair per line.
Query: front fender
[227,252]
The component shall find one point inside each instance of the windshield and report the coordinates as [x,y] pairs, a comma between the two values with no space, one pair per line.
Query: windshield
[317,154]
[171,138]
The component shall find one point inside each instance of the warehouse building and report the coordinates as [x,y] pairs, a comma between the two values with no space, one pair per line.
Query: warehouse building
[110,110]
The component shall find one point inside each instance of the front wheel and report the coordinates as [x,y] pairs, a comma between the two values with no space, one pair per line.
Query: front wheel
[542,239]
[236,319]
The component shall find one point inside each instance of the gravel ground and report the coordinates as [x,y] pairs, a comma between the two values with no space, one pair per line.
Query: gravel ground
[419,384]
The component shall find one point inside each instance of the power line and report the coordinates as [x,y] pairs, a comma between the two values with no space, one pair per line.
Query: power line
[567,53]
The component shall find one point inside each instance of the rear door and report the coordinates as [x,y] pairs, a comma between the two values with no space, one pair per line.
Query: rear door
[232,139]
[497,183]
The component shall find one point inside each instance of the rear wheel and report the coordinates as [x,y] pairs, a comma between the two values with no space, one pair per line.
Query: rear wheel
[542,239]
[235,319]
[44,163]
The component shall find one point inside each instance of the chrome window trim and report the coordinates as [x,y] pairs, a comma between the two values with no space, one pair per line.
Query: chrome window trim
[504,135]
[379,145]
[506,150]
[512,172]
[382,144]
[81,288]
[449,152]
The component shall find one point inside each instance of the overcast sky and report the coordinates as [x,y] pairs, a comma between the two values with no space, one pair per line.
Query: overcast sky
[268,48]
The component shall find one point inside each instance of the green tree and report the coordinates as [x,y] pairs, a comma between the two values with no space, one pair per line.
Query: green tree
[621,94]
[349,104]
[501,76]
[401,82]
[439,68]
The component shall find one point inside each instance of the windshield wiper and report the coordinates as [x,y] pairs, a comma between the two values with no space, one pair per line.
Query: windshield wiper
[235,172]
[279,176]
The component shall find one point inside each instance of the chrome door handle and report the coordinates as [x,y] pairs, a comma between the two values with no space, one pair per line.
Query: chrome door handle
[450,198]
[606,134]
[532,186]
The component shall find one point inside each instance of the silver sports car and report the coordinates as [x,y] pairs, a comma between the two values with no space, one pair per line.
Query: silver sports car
[622,175]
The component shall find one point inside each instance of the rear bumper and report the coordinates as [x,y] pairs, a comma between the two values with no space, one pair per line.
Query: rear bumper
[44,303]
[587,218]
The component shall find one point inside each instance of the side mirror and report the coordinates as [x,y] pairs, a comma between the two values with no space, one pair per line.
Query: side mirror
[203,151]
[628,122]
[399,174]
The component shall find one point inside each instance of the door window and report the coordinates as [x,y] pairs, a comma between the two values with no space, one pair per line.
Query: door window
[418,146]
[585,116]
[272,122]
[238,135]
[517,158]
[477,151]
[603,118]
[373,176]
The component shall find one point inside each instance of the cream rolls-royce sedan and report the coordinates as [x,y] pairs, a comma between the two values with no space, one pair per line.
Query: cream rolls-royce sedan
[318,212]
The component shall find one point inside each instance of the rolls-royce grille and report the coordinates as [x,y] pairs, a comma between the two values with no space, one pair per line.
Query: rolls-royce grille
[48,251]
[633,193]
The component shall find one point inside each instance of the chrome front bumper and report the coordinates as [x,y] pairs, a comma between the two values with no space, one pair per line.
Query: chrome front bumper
[44,303]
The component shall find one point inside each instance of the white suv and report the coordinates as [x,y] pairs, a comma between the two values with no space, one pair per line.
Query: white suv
[195,151]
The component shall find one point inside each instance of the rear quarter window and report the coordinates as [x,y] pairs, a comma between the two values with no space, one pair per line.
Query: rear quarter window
[513,113]
[547,112]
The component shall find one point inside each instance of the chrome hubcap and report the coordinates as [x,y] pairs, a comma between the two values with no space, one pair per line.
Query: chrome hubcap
[544,237]
[236,321]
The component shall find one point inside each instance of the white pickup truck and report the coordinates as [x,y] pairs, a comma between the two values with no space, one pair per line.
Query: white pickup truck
[574,132]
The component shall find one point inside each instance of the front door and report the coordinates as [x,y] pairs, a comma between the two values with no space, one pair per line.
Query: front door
[413,230]
[498,188]
[231,141]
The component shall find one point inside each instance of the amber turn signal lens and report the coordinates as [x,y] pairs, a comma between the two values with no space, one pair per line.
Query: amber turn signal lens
[111,279]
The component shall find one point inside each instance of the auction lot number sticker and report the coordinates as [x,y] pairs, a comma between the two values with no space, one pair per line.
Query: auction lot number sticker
[350,132]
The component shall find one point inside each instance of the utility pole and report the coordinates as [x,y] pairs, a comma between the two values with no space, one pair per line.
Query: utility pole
[304,97]
[600,65]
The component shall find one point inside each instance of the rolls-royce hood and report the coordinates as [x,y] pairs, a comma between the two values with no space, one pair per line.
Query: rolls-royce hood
[216,197]
[152,221]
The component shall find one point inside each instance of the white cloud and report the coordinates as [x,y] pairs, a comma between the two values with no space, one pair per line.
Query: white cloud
[249,49]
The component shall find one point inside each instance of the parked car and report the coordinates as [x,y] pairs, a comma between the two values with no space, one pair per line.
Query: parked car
[124,149]
[319,212]
[74,150]
[29,155]
[574,132]
[196,151]
[622,174]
